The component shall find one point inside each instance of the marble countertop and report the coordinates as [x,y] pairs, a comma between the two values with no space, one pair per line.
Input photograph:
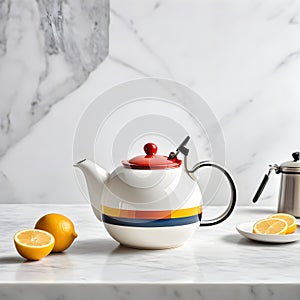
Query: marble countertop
[216,262]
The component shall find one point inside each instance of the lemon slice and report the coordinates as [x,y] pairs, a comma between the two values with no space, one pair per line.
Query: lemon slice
[33,244]
[270,226]
[291,220]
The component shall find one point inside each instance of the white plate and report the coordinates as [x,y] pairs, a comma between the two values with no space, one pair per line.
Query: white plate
[245,229]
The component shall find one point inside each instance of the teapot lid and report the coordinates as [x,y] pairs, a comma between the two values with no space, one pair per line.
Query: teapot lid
[291,166]
[152,161]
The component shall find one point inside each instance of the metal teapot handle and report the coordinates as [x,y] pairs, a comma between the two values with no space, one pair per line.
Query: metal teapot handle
[264,182]
[233,197]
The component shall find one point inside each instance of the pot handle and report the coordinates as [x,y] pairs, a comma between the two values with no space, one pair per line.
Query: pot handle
[261,188]
[233,196]
[264,182]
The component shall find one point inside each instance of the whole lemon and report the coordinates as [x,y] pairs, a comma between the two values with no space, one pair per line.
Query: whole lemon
[60,227]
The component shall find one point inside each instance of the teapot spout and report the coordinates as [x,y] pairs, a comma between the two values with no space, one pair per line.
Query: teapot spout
[95,177]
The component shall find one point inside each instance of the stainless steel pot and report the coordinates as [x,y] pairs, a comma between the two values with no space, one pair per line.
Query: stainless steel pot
[289,194]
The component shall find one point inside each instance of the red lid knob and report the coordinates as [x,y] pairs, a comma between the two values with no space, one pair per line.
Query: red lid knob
[150,149]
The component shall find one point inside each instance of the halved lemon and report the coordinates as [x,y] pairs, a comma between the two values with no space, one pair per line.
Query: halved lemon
[270,226]
[291,220]
[34,244]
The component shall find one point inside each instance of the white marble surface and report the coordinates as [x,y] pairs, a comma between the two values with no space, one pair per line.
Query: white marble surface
[241,56]
[216,262]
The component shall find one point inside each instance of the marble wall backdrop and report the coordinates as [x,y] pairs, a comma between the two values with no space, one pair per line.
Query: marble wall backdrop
[243,57]
[47,49]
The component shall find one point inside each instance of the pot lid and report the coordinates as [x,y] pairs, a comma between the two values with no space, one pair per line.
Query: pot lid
[152,161]
[291,166]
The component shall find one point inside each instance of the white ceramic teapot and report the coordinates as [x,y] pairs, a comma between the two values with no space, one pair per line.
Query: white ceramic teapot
[151,201]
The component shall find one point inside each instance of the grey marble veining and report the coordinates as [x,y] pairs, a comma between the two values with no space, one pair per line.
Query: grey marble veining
[149,292]
[216,262]
[47,49]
